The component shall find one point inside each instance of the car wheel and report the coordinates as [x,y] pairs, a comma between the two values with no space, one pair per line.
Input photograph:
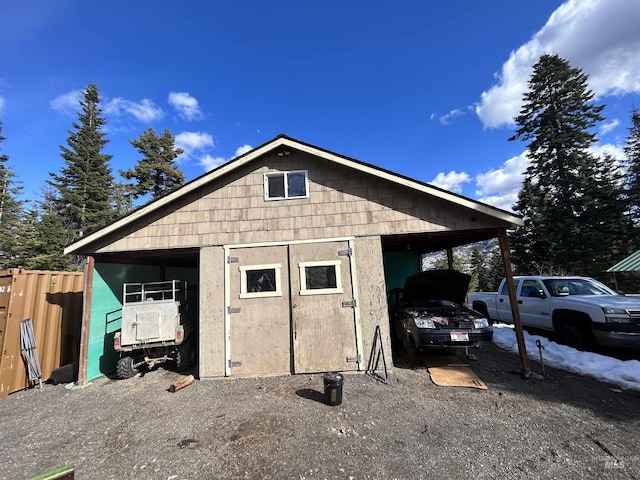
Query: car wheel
[576,336]
[124,368]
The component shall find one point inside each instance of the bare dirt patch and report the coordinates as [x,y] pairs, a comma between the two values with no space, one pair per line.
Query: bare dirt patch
[565,426]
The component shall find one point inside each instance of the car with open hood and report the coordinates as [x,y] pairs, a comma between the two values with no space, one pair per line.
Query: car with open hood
[429,312]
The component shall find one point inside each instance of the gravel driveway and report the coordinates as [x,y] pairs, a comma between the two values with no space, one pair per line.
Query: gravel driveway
[564,426]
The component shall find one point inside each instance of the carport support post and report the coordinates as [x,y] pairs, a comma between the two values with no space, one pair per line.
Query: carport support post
[517,322]
[89,263]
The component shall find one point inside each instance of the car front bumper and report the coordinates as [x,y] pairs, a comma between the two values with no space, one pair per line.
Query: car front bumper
[617,335]
[426,337]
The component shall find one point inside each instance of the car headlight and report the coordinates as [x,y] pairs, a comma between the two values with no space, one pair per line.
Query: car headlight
[424,322]
[480,323]
[616,315]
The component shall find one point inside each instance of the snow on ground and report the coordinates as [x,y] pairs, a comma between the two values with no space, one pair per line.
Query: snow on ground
[624,373]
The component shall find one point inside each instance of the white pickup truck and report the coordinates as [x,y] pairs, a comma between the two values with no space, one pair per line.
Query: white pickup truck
[583,311]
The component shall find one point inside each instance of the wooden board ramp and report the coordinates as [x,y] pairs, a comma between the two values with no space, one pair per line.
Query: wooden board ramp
[449,371]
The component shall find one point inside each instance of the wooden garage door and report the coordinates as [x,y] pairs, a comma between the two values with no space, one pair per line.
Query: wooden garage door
[260,326]
[321,304]
[291,309]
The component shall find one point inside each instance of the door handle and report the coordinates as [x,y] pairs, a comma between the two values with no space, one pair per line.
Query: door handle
[520,302]
[501,300]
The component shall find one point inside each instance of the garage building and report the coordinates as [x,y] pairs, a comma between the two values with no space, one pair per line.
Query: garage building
[289,250]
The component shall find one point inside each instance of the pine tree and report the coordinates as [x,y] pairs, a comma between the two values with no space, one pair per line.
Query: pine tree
[632,150]
[11,214]
[47,235]
[479,270]
[157,172]
[85,183]
[558,189]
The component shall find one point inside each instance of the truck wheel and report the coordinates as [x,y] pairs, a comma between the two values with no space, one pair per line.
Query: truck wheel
[575,336]
[185,355]
[124,368]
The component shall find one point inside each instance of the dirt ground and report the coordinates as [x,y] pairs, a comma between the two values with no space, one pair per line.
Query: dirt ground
[564,427]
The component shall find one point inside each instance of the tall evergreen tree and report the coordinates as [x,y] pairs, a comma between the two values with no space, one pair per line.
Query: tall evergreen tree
[479,270]
[556,119]
[157,172]
[11,214]
[47,235]
[85,183]
[632,150]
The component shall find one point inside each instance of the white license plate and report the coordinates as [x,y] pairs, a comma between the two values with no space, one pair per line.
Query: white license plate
[459,337]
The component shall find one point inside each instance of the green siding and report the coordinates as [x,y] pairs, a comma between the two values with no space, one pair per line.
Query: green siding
[398,266]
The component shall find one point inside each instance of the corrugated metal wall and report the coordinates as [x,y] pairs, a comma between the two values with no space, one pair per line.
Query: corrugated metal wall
[53,300]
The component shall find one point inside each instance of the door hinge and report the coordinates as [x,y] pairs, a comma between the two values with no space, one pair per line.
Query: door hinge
[350,303]
[234,364]
[233,310]
[345,253]
[233,259]
[353,359]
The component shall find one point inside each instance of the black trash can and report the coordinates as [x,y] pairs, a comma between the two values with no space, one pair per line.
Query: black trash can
[333,388]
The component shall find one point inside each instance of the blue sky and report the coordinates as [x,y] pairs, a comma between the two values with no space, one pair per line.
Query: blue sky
[425,89]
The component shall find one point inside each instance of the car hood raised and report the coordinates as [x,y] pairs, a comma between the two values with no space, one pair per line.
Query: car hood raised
[436,285]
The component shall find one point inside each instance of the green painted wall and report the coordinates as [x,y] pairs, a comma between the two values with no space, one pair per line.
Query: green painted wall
[106,312]
[106,308]
[398,266]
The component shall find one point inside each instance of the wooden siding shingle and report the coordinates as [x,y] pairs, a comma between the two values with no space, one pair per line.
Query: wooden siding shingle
[341,202]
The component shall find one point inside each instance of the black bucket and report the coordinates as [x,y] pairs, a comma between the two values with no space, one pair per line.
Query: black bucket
[333,388]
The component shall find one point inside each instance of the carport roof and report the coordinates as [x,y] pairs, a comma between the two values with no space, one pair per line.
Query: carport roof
[629,264]
[508,219]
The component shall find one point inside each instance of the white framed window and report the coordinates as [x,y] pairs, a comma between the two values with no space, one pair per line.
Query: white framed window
[258,281]
[283,185]
[320,278]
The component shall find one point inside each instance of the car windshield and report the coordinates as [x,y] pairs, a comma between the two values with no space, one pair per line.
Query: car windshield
[561,287]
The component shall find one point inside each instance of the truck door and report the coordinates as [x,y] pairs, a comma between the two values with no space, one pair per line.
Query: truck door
[503,306]
[534,309]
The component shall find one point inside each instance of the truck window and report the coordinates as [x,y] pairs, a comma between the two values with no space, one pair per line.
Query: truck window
[530,288]
[505,291]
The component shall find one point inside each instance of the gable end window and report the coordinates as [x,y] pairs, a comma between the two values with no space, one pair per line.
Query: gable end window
[283,185]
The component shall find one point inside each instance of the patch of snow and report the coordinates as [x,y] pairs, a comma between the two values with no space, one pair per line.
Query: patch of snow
[623,373]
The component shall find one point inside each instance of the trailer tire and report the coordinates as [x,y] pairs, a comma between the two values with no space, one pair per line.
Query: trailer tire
[185,355]
[124,368]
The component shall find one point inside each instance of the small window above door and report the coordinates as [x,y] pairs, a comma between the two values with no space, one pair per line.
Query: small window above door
[320,278]
[286,185]
[258,281]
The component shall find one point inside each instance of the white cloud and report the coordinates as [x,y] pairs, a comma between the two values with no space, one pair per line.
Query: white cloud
[243,149]
[602,37]
[507,178]
[67,103]
[186,105]
[144,110]
[192,142]
[2,103]
[210,162]
[451,181]
[607,127]
[449,117]
[615,151]
[500,187]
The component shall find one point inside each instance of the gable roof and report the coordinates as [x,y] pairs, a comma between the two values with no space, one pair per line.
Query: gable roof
[283,141]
